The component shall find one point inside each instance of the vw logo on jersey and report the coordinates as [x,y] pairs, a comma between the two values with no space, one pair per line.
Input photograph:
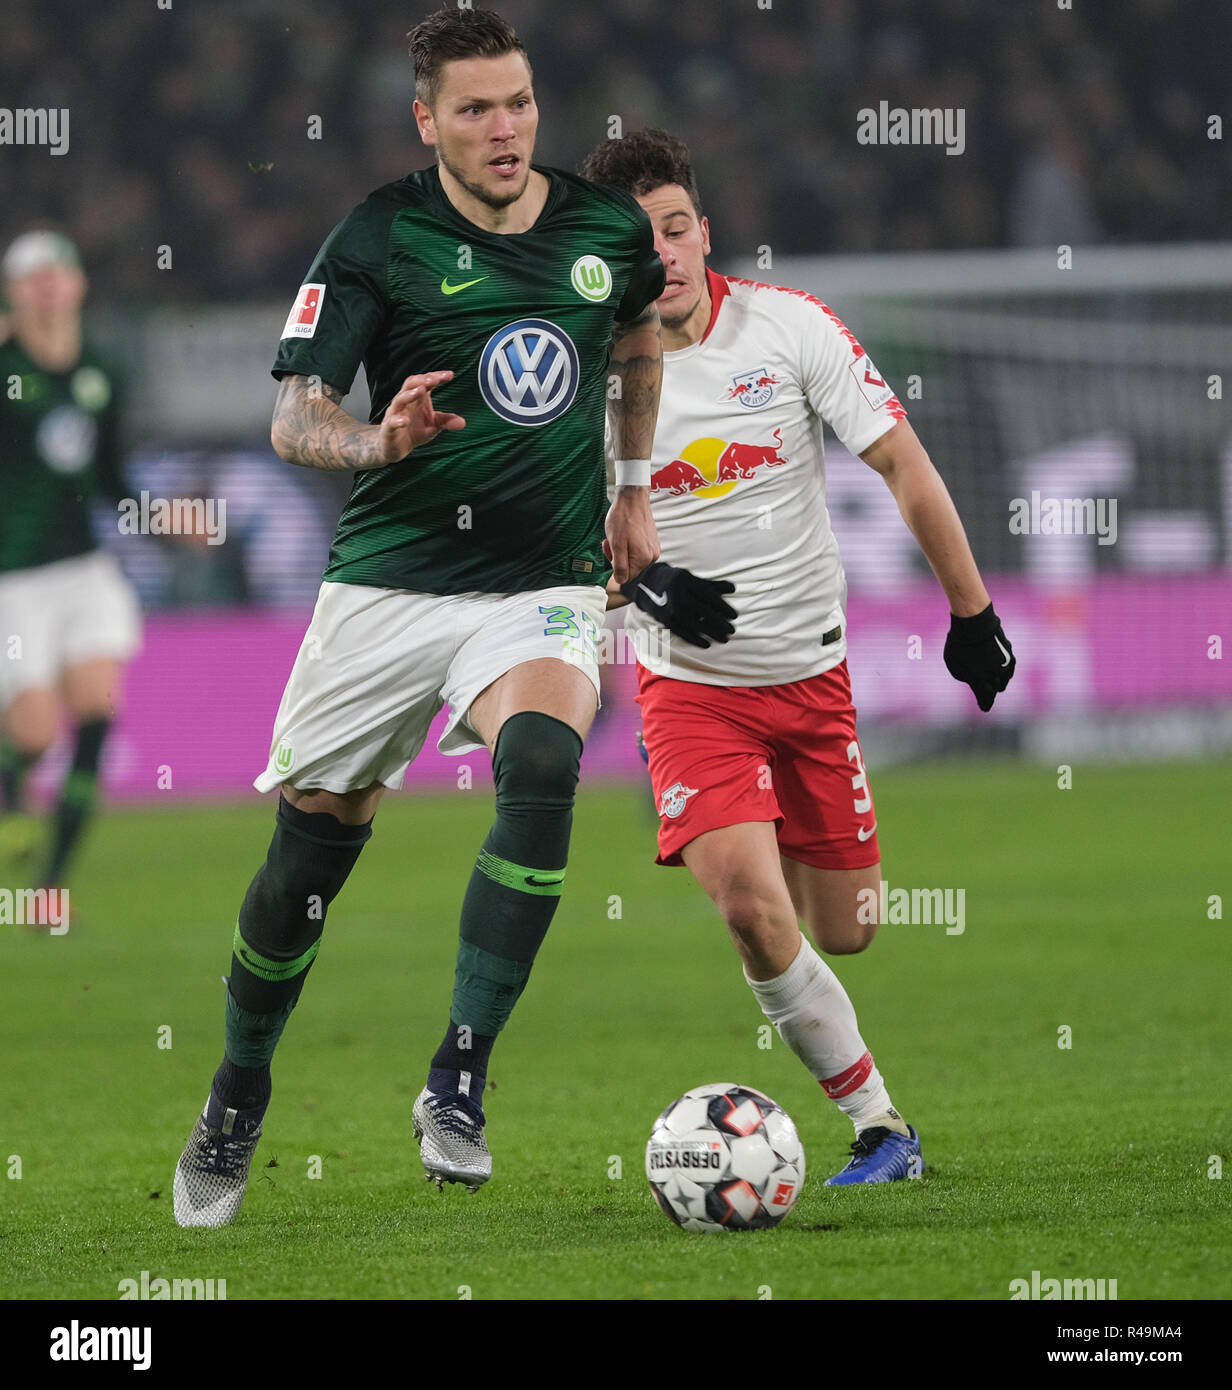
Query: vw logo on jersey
[66,438]
[528,372]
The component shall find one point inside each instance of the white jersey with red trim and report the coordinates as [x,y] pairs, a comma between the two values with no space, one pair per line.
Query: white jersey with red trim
[738,479]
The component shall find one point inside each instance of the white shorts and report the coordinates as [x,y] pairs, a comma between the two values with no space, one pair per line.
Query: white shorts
[59,615]
[377,665]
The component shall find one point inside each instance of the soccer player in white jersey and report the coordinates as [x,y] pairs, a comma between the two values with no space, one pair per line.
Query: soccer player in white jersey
[757,771]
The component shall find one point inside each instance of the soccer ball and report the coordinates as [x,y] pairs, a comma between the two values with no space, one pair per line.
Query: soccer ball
[725,1158]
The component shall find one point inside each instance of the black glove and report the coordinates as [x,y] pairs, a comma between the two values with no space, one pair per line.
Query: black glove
[977,651]
[691,608]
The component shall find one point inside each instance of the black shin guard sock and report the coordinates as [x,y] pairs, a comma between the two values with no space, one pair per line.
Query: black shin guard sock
[76,801]
[242,1088]
[280,924]
[513,891]
[461,1062]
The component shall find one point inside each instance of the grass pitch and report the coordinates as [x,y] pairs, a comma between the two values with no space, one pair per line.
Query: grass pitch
[1085,909]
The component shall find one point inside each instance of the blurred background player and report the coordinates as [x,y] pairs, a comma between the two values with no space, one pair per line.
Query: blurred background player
[758,775]
[468,567]
[69,620]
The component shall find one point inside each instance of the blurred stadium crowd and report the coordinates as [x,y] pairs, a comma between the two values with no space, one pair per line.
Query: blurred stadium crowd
[189,126]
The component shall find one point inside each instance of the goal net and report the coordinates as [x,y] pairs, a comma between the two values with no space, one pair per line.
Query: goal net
[1080,420]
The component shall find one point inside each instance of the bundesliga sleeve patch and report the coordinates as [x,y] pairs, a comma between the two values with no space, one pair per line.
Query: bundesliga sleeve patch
[302,320]
[872,384]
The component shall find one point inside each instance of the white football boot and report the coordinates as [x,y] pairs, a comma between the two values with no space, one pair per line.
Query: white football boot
[212,1173]
[449,1127]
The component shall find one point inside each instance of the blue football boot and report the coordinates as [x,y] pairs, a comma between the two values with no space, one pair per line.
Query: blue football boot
[881,1155]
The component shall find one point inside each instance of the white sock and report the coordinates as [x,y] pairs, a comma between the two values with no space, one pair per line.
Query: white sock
[813,1015]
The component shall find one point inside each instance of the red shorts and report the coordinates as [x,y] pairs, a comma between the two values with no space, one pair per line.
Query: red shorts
[782,753]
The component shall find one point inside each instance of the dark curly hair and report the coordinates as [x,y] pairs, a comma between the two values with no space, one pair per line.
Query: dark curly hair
[643,161]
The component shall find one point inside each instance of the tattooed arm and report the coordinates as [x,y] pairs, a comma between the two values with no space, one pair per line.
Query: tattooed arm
[637,363]
[311,429]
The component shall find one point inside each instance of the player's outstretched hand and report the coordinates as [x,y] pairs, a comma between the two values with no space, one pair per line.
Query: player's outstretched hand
[690,607]
[977,651]
[410,419]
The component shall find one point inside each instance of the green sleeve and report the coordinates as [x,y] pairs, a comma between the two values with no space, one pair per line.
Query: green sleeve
[351,301]
[649,277]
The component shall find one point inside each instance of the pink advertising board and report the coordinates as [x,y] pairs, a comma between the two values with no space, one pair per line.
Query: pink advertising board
[201,697]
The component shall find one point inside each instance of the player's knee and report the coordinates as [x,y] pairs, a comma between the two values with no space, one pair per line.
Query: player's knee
[34,742]
[353,808]
[749,913]
[31,725]
[308,861]
[535,763]
[842,936]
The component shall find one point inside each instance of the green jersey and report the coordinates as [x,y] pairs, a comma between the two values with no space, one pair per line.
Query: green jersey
[59,447]
[406,284]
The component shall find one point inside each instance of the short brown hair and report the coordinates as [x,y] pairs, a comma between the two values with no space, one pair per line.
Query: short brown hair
[643,161]
[457,33]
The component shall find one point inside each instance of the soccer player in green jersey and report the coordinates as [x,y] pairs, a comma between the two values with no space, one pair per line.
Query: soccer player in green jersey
[68,617]
[489,299]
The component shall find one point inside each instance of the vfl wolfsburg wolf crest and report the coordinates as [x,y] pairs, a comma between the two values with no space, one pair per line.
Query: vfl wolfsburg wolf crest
[591,278]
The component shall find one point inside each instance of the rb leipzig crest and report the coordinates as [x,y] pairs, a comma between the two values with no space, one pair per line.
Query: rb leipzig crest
[752,389]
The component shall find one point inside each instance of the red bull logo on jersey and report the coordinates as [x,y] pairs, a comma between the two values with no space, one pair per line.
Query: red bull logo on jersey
[752,389]
[712,467]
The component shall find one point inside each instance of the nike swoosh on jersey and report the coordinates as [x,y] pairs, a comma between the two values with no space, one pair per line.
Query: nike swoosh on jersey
[659,599]
[863,834]
[447,288]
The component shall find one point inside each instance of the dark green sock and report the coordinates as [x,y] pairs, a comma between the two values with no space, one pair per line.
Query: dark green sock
[15,766]
[514,889]
[76,800]
[278,932]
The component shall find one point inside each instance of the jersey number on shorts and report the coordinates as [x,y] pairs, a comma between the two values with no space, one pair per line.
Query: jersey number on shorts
[578,631]
[859,783]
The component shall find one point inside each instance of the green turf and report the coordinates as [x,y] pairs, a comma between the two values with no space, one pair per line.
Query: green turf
[1085,908]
